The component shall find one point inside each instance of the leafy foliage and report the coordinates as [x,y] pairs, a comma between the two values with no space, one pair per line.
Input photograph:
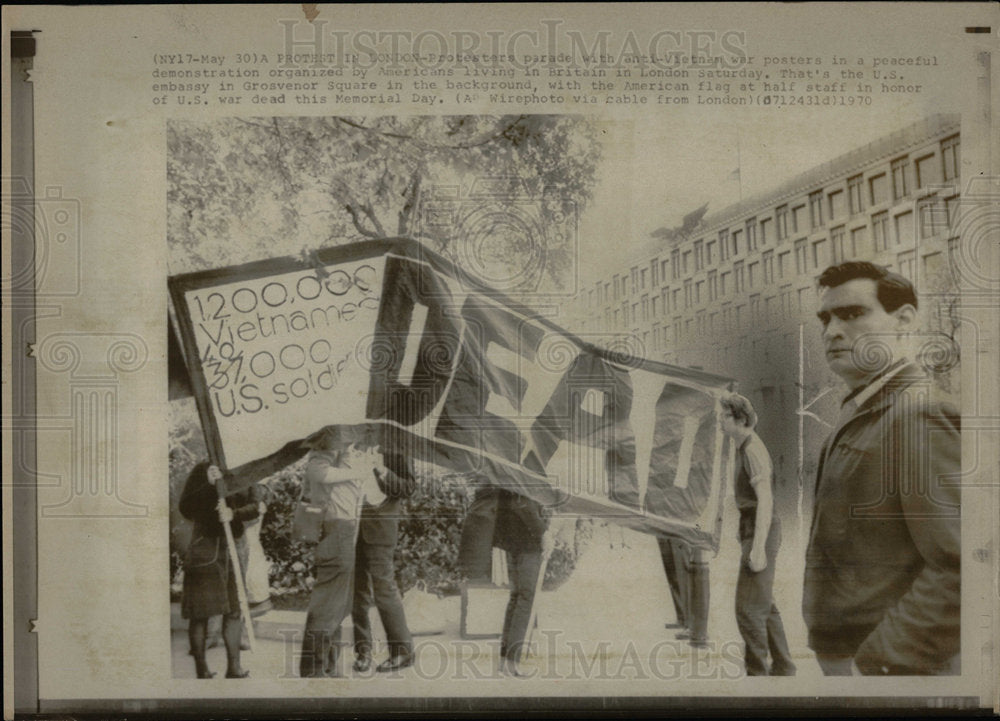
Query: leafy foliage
[241,189]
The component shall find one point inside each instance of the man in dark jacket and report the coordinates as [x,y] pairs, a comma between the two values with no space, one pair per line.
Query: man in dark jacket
[374,573]
[882,584]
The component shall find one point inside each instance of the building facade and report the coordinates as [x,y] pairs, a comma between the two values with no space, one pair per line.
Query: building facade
[736,295]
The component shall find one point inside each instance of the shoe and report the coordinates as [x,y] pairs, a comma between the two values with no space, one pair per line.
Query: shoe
[395,663]
[238,674]
[682,635]
[206,674]
[362,664]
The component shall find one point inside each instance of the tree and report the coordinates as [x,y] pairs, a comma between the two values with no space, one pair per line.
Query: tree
[241,189]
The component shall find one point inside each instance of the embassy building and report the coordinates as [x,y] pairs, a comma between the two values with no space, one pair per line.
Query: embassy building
[736,294]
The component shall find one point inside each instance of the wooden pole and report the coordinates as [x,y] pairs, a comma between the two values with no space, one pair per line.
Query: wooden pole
[234,559]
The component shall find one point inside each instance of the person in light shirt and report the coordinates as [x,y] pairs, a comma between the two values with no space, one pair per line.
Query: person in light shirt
[757,615]
[338,480]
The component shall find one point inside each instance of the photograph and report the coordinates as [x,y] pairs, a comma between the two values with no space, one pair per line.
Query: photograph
[503,358]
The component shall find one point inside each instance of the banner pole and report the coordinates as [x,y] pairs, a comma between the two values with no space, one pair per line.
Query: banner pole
[234,559]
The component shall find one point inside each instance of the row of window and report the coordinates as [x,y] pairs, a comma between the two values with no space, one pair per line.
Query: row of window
[822,208]
[786,303]
[803,258]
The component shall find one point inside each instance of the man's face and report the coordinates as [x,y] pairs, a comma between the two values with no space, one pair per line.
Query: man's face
[730,426]
[851,311]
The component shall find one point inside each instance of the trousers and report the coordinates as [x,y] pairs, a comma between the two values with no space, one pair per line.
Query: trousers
[330,601]
[522,572]
[757,615]
[375,582]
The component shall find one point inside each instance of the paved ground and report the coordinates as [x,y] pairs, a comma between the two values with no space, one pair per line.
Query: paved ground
[603,626]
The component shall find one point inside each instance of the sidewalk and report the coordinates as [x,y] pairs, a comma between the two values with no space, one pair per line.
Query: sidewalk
[604,625]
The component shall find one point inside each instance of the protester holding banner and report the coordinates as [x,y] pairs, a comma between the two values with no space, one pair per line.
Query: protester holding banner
[374,574]
[519,526]
[337,480]
[757,615]
[209,578]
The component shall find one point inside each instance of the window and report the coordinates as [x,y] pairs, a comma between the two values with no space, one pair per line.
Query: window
[616,287]
[859,241]
[803,299]
[926,171]
[751,230]
[676,300]
[723,283]
[798,218]
[880,231]
[699,291]
[738,277]
[710,253]
[677,331]
[950,158]
[769,309]
[781,222]
[801,257]
[663,271]
[686,262]
[607,292]
[655,306]
[736,241]
[699,255]
[643,277]
[821,254]
[783,264]
[838,252]
[837,204]
[645,309]
[701,322]
[900,169]
[653,274]
[765,231]
[907,264]
[767,263]
[675,260]
[635,280]
[855,194]
[951,206]
[665,298]
[753,275]
[786,301]
[688,287]
[879,189]
[932,217]
[816,209]
[635,313]
[904,229]
[713,285]
[618,317]
[724,245]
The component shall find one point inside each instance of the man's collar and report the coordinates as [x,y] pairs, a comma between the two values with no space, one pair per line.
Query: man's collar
[863,392]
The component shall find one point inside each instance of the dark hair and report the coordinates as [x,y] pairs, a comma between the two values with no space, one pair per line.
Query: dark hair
[892,290]
[741,408]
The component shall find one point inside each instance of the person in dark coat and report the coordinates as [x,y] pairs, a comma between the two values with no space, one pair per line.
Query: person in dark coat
[374,573]
[882,588]
[209,577]
[519,526]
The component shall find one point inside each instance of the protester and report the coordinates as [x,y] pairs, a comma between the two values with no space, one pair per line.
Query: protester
[757,615]
[374,573]
[209,577]
[519,526]
[882,585]
[338,480]
[674,566]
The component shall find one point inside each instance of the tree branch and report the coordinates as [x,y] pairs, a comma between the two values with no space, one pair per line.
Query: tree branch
[355,218]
